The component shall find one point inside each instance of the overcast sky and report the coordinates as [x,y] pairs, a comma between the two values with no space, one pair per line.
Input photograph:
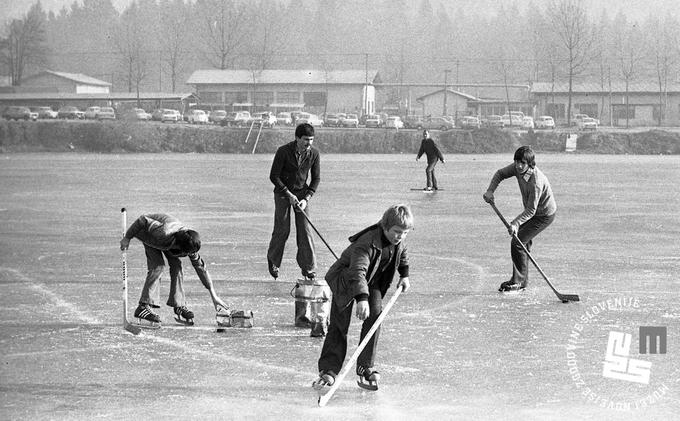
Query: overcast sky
[634,9]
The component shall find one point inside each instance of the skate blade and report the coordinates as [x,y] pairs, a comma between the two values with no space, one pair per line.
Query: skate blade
[146,324]
[372,386]
[320,386]
[512,292]
[189,322]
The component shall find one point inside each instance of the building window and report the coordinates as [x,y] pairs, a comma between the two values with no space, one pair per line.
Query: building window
[232,97]
[314,99]
[619,111]
[555,110]
[211,97]
[263,98]
[288,97]
[589,109]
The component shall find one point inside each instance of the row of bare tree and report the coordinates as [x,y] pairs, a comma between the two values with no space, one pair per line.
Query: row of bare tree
[156,44]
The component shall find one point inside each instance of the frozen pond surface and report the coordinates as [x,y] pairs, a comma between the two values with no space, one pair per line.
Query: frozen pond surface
[452,347]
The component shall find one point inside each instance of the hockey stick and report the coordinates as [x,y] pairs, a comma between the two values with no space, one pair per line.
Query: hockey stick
[323,399]
[317,231]
[135,330]
[565,298]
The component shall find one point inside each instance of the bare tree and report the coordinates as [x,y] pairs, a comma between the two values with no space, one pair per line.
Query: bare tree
[222,27]
[575,35]
[129,42]
[663,37]
[174,22]
[24,45]
[629,55]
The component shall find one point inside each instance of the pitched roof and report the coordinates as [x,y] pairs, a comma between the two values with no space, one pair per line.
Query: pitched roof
[75,77]
[593,87]
[451,91]
[240,77]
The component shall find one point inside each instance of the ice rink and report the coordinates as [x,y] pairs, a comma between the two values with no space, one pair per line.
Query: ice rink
[451,348]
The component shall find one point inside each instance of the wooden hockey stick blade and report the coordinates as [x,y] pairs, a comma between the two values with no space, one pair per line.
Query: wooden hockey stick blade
[323,399]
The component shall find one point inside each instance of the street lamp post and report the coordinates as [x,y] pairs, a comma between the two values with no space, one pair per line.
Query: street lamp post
[446,74]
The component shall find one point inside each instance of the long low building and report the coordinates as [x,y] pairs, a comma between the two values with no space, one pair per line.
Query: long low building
[315,91]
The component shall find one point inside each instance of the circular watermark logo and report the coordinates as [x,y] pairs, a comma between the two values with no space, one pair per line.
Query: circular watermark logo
[617,355]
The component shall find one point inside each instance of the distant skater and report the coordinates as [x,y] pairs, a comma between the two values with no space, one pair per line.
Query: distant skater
[362,276]
[539,211]
[164,235]
[294,163]
[434,155]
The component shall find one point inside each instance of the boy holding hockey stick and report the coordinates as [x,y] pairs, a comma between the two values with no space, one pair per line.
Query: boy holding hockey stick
[363,275]
[539,211]
[164,235]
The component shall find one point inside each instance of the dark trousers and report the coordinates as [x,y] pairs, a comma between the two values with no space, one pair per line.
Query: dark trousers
[305,257]
[335,345]
[156,264]
[527,231]
[429,174]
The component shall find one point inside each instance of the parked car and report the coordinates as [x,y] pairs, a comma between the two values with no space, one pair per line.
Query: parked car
[493,121]
[267,119]
[576,120]
[544,122]
[351,120]
[312,119]
[588,123]
[412,121]
[217,116]
[374,120]
[166,114]
[294,115]
[106,113]
[17,113]
[198,117]
[45,112]
[394,122]
[237,118]
[70,112]
[469,122]
[284,119]
[528,123]
[91,112]
[142,115]
[333,120]
[435,123]
[512,120]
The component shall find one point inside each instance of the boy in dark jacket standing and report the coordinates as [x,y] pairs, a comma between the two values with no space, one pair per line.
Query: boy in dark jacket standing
[290,169]
[363,275]
[164,235]
[434,155]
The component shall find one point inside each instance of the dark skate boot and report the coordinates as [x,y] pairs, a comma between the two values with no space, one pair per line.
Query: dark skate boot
[325,380]
[146,318]
[184,316]
[511,286]
[368,378]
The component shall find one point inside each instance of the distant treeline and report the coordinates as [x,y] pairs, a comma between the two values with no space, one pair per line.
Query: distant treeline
[156,44]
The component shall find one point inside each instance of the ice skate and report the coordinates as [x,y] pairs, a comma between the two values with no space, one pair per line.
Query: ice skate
[325,380]
[368,378]
[184,316]
[511,287]
[146,318]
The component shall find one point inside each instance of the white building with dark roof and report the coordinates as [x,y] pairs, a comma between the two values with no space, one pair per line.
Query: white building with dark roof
[315,91]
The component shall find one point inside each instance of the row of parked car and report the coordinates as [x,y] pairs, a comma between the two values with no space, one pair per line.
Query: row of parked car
[67,112]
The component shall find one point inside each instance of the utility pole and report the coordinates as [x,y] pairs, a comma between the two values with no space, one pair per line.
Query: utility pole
[446,74]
